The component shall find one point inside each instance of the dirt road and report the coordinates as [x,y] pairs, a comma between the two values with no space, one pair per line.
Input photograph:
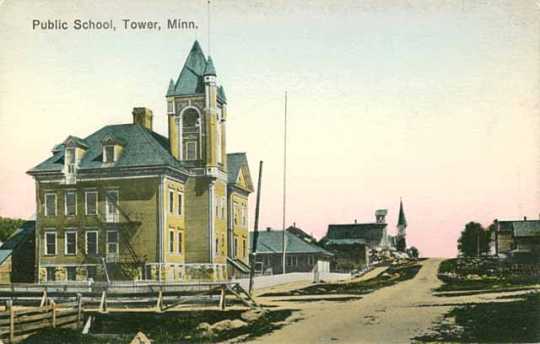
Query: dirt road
[394,314]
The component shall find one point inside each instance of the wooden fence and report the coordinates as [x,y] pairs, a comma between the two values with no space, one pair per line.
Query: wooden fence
[41,306]
[18,324]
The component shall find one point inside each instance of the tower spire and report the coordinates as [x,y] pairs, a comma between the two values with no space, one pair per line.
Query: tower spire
[402,221]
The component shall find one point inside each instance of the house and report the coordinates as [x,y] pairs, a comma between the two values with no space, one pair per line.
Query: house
[301,234]
[17,261]
[351,243]
[128,203]
[518,239]
[301,256]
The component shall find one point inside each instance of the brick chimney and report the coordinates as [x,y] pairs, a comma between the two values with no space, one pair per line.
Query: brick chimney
[142,116]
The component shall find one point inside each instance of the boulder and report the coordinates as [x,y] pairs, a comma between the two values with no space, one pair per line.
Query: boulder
[227,324]
[252,315]
[140,338]
[204,326]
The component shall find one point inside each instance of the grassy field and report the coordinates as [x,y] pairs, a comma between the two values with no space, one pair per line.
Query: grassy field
[501,322]
[467,274]
[169,327]
[391,276]
[515,321]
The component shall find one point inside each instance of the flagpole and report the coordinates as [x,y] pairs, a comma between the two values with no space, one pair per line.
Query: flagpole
[284,186]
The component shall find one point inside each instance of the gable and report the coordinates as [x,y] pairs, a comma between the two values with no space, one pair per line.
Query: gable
[241,180]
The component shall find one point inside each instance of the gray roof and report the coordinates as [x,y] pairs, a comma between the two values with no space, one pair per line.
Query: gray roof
[210,69]
[345,241]
[21,234]
[190,81]
[76,141]
[235,163]
[221,94]
[372,233]
[142,147]
[527,228]
[272,242]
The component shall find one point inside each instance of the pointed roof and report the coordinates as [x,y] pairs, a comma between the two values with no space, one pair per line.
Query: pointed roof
[170,90]
[237,164]
[221,94]
[402,221]
[190,79]
[74,141]
[210,69]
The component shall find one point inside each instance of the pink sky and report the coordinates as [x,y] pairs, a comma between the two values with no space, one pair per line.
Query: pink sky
[435,103]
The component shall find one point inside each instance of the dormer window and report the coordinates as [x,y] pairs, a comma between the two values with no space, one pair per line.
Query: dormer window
[74,150]
[112,149]
[108,154]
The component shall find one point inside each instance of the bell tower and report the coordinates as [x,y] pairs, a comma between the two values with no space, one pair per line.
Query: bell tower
[196,110]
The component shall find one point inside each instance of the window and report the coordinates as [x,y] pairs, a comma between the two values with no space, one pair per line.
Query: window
[191,150]
[310,260]
[70,156]
[235,248]
[180,242]
[112,242]
[51,273]
[111,205]
[108,154]
[70,200]
[170,106]
[91,272]
[243,247]
[91,202]
[92,242]
[216,249]
[223,207]
[50,204]
[292,260]
[180,204]
[235,211]
[218,143]
[171,201]
[71,273]
[171,241]
[70,243]
[50,243]
[244,217]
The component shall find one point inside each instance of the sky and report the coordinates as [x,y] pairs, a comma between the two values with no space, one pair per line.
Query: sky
[436,102]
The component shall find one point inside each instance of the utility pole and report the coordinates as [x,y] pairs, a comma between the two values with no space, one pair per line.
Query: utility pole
[284,186]
[255,230]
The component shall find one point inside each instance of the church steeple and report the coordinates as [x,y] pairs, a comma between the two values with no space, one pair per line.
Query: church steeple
[401,243]
[402,221]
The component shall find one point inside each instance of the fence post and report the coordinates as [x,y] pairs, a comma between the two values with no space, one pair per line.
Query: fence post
[9,308]
[79,313]
[159,303]
[103,303]
[53,309]
[222,299]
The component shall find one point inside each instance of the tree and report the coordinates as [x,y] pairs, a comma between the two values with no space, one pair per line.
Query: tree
[8,226]
[474,240]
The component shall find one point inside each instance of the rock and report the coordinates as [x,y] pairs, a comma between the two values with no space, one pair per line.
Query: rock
[252,315]
[204,326]
[227,324]
[140,338]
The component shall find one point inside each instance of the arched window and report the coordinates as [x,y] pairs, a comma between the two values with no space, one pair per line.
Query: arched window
[191,133]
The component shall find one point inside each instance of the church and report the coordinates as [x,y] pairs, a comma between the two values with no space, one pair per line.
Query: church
[126,203]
